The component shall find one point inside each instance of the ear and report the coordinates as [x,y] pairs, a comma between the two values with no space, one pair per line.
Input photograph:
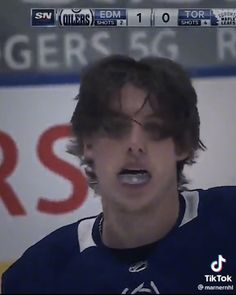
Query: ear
[88,148]
[180,156]
[181,153]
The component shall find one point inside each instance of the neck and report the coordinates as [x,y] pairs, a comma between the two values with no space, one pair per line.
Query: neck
[129,229]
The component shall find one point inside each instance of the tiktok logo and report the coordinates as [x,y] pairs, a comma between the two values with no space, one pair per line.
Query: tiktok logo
[217,265]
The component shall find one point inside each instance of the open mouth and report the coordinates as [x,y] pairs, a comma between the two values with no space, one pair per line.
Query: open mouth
[134,176]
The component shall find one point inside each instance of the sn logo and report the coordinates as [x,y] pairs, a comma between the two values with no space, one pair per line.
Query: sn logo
[43,15]
[217,265]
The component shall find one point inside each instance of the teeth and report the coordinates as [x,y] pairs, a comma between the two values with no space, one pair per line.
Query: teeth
[138,178]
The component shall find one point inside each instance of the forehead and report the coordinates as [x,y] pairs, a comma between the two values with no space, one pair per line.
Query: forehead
[132,101]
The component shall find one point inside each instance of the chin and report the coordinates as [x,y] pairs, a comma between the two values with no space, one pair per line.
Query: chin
[137,203]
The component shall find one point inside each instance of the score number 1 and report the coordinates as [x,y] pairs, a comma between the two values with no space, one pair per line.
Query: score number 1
[139,17]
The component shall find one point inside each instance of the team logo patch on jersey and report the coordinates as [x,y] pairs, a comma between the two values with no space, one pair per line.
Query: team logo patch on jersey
[143,288]
[139,266]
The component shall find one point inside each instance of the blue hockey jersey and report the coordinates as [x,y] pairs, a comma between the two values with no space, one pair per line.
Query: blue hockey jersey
[197,256]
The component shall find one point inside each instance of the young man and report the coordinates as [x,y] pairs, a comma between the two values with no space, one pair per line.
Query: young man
[136,125]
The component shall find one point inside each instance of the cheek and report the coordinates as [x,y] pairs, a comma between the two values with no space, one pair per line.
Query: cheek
[105,156]
[164,153]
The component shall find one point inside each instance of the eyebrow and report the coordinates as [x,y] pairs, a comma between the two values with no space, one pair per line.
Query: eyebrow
[153,115]
[112,113]
[124,116]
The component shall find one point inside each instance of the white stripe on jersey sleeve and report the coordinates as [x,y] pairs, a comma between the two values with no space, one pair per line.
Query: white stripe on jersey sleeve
[85,237]
[191,210]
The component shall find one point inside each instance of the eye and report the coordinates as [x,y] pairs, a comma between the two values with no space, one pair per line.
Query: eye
[151,127]
[115,127]
[155,131]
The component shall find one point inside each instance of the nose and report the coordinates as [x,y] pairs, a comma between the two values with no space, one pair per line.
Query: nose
[137,140]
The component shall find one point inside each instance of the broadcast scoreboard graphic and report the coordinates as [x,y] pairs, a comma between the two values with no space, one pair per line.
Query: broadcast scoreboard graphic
[130,17]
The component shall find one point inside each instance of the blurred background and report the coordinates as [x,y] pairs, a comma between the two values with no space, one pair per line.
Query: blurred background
[42,187]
